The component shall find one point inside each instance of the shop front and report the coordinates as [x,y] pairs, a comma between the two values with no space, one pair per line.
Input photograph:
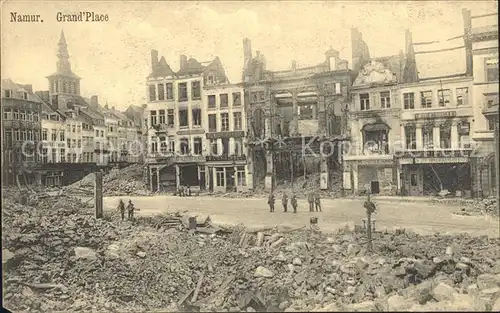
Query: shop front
[368,175]
[432,171]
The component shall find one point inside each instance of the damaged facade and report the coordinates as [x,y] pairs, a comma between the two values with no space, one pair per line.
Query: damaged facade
[481,40]
[177,122]
[291,115]
[226,159]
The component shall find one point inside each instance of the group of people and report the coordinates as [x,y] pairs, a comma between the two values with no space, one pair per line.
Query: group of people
[312,198]
[130,209]
[184,191]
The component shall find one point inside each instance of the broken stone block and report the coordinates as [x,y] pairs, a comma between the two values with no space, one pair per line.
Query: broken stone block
[85,253]
[297,261]
[261,271]
[443,292]
[486,281]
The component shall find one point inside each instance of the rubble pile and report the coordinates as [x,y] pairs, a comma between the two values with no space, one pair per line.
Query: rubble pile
[59,258]
[118,182]
[487,206]
[302,186]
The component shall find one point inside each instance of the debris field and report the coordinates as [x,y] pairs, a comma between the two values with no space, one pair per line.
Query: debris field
[58,257]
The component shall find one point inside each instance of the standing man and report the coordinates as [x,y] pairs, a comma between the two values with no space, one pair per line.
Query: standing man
[121,208]
[130,209]
[293,201]
[284,201]
[270,201]
[317,202]
[310,200]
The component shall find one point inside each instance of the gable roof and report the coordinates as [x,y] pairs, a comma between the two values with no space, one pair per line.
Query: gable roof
[192,67]
[17,90]
[162,69]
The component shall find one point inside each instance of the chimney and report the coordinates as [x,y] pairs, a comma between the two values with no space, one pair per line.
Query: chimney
[258,53]
[113,108]
[106,106]
[183,61]
[294,65]
[410,73]
[247,48]
[466,16]
[94,102]
[154,59]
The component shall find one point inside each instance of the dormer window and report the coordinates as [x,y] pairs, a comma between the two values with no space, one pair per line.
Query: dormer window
[211,79]
[8,93]
[25,95]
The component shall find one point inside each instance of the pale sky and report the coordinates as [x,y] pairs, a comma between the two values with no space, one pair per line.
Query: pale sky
[113,58]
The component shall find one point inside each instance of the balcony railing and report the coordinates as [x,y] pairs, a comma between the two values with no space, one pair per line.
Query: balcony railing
[225,157]
[437,153]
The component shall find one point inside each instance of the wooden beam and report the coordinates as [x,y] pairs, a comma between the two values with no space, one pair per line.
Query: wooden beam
[98,195]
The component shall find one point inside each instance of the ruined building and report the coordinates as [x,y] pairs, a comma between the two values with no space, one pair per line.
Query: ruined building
[292,109]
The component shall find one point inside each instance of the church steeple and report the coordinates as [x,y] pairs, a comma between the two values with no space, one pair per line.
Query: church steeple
[63,83]
[63,65]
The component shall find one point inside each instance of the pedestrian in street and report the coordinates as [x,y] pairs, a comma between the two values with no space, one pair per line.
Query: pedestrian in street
[310,200]
[293,201]
[270,201]
[121,208]
[317,202]
[188,191]
[284,201]
[130,209]
[181,191]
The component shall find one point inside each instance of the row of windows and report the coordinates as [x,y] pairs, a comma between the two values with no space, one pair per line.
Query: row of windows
[160,92]
[53,134]
[224,122]
[167,145]
[9,94]
[20,135]
[221,173]
[426,99]
[428,137]
[21,115]
[169,117]
[224,100]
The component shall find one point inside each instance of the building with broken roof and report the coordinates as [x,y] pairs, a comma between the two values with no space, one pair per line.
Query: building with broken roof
[21,129]
[175,119]
[481,39]
[424,109]
[373,120]
[287,107]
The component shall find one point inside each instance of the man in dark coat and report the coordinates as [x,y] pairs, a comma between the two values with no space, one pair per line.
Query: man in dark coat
[310,200]
[121,208]
[270,201]
[293,201]
[284,201]
[130,209]
[317,202]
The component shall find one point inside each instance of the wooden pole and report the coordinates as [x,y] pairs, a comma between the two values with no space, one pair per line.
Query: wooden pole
[98,195]
[291,168]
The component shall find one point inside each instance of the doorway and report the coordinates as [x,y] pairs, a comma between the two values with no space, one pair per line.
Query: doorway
[230,179]
[414,188]
[211,179]
[202,178]
[154,180]
[375,187]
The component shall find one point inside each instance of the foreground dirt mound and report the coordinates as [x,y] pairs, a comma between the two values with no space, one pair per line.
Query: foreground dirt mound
[62,259]
[118,182]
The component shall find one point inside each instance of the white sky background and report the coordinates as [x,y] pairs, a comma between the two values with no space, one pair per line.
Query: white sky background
[113,58]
